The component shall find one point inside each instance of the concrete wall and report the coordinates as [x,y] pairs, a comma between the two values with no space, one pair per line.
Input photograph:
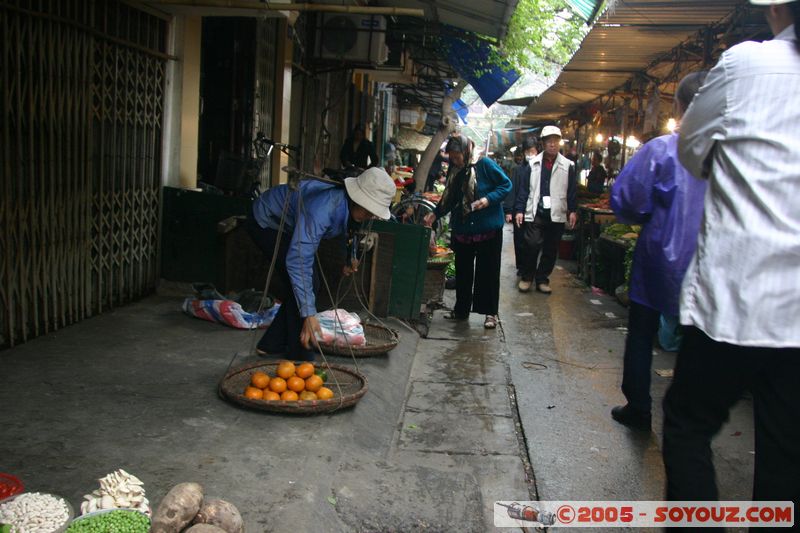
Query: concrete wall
[190,105]
[283,101]
[182,103]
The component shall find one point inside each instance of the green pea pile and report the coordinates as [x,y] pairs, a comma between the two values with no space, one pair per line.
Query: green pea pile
[112,522]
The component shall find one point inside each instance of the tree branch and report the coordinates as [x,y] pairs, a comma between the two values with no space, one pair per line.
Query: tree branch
[448,125]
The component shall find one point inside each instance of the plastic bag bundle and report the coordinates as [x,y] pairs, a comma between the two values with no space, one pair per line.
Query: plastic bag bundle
[229,313]
[341,328]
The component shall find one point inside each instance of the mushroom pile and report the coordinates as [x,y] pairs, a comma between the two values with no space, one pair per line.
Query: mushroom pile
[118,490]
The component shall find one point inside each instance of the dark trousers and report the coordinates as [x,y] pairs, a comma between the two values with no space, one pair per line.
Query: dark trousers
[282,337]
[642,328]
[541,235]
[519,247]
[478,275]
[710,377]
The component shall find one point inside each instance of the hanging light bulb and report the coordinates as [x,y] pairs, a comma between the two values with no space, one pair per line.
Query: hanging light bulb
[598,138]
[672,124]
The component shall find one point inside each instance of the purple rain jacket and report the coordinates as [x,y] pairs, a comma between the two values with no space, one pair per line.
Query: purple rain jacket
[656,191]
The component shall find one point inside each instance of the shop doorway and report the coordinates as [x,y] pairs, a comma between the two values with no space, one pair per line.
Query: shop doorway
[227,89]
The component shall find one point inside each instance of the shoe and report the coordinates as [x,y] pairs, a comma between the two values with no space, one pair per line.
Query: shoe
[627,416]
[266,351]
[271,355]
[490,322]
[544,288]
[452,315]
[524,286]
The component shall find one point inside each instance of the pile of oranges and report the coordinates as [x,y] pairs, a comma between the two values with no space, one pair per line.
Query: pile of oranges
[291,383]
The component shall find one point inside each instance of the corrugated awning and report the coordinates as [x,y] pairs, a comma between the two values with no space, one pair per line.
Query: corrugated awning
[623,42]
[484,17]
[586,8]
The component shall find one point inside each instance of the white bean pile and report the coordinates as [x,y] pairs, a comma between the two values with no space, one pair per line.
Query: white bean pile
[34,512]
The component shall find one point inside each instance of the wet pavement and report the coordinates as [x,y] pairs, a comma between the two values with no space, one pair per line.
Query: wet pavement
[450,424]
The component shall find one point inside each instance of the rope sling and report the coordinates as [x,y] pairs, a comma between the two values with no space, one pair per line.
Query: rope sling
[294,187]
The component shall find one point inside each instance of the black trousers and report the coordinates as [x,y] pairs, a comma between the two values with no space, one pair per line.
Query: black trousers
[519,247]
[282,337]
[710,377]
[636,373]
[478,275]
[541,235]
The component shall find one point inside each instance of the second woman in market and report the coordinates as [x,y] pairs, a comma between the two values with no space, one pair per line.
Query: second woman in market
[473,196]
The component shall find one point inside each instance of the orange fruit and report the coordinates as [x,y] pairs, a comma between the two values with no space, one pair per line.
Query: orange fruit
[313,383]
[277,385]
[308,395]
[296,384]
[304,370]
[286,369]
[271,396]
[260,380]
[289,396]
[324,393]
[253,393]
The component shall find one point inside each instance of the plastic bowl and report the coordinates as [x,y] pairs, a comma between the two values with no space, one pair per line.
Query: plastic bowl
[104,511]
[70,510]
[10,485]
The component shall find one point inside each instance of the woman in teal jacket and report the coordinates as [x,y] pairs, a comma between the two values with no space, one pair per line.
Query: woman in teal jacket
[474,198]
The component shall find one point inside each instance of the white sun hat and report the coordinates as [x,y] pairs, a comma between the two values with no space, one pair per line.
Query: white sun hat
[373,190]
[547,131]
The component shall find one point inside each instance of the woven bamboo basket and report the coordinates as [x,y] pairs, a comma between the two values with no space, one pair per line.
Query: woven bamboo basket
[380,340]
[352,385]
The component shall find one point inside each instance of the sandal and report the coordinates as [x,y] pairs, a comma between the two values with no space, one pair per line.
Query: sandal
[490,322]
[452,315]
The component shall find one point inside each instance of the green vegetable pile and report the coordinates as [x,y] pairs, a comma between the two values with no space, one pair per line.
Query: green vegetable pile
[618,230]
[444,241]
[112,522]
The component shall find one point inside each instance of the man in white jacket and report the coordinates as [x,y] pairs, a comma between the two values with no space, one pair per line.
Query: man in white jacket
[543,205]
[740,300]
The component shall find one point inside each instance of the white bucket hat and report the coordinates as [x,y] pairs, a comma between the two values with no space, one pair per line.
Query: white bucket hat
[373,190]
[547,131]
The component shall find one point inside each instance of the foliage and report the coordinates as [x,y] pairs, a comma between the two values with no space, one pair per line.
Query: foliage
[444,240]
[542,35]
[629,263]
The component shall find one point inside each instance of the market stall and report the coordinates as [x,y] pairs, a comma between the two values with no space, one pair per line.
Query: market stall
[117,505]
[604,246]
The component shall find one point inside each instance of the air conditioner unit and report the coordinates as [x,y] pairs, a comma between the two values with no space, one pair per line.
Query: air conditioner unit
[352,38]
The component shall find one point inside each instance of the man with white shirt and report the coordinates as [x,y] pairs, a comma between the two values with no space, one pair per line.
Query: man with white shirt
[740,298]
[544,203]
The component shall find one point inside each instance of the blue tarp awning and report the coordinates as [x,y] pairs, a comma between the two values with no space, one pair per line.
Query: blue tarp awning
[510,136]
[470,57]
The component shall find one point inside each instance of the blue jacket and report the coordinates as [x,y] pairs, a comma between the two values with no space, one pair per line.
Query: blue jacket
[494,185]
[655,190]
[323,215]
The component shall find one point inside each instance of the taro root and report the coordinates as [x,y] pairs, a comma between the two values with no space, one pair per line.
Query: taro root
[204,528]
[220,513]
[178,508]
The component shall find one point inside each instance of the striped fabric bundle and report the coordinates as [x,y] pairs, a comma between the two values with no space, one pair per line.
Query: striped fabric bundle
[229,313]
[341,328]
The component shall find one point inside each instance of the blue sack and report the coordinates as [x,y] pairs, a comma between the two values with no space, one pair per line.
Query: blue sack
[670,333]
